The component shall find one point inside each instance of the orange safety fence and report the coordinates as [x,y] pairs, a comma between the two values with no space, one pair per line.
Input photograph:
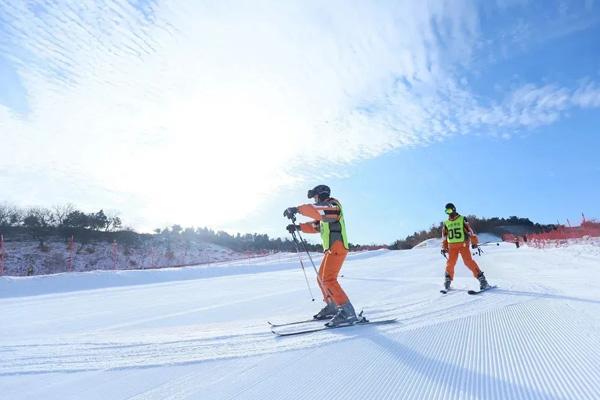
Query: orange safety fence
[560,236]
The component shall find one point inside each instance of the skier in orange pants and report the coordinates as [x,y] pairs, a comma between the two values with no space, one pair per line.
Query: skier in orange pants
[328,273]
[328,220]
[456,235]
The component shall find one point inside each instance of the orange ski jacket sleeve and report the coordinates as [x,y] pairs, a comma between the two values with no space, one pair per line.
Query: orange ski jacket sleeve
[471,233]
[445,244]
[310,227]
[318,212]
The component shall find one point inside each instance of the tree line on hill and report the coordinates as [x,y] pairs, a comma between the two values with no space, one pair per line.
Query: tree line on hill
[496,226]
[66,221]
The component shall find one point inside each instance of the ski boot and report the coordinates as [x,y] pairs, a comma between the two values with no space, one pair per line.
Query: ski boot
[345,315]
[447,281]
[483,283]
[327,312]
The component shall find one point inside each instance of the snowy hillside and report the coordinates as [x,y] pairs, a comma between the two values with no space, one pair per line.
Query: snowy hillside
[197,333]
[26,257]
[485,237]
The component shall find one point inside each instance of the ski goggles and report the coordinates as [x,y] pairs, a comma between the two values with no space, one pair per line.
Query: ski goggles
[449,211]
[312,193]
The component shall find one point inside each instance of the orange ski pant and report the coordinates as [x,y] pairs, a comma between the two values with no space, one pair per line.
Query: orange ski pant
[454,249]
[328,273]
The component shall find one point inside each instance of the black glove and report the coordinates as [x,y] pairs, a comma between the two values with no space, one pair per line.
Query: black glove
[474,246]
[444,252]
[291,228]
[290,212]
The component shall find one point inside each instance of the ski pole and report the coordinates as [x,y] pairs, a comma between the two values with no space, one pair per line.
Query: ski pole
[293,218]
[302,265]
[490,244]
[313,264]
[305,249]
[319,282]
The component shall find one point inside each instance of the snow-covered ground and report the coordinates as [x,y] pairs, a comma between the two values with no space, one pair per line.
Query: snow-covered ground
[199,333]
[26,257]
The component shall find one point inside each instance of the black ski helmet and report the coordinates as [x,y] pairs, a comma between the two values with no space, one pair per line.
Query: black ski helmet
[322,191]
[450,206]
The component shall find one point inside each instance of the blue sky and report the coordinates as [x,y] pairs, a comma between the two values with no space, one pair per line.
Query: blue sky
[221,114]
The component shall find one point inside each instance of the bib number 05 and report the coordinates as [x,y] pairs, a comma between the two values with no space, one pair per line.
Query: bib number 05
[455,233]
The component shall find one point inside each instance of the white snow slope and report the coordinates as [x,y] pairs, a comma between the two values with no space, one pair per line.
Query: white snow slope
[189,335]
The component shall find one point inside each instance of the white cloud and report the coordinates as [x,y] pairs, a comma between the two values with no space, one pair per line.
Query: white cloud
[587,96]
[197,113]
[531,106]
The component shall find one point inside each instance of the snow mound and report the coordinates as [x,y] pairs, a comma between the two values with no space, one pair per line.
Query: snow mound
[485,237]
[429,243]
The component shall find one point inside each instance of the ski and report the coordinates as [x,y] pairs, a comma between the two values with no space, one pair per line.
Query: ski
[305,321]
[294,322]
[451,290]
[324,328]
[472,292]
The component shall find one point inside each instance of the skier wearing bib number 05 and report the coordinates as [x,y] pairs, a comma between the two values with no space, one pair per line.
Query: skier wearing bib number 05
[328,220]
[456,235]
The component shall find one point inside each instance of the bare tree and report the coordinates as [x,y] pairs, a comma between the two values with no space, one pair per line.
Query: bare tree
[4,214]
[60,212]
[45,215]
[10,215]
[39,221]
[114,221]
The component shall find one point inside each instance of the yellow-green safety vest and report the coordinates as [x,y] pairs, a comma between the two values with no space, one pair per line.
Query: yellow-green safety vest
[456,230]
[325,228]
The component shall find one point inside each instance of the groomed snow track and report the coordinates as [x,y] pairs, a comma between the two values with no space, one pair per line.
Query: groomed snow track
[535,337]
